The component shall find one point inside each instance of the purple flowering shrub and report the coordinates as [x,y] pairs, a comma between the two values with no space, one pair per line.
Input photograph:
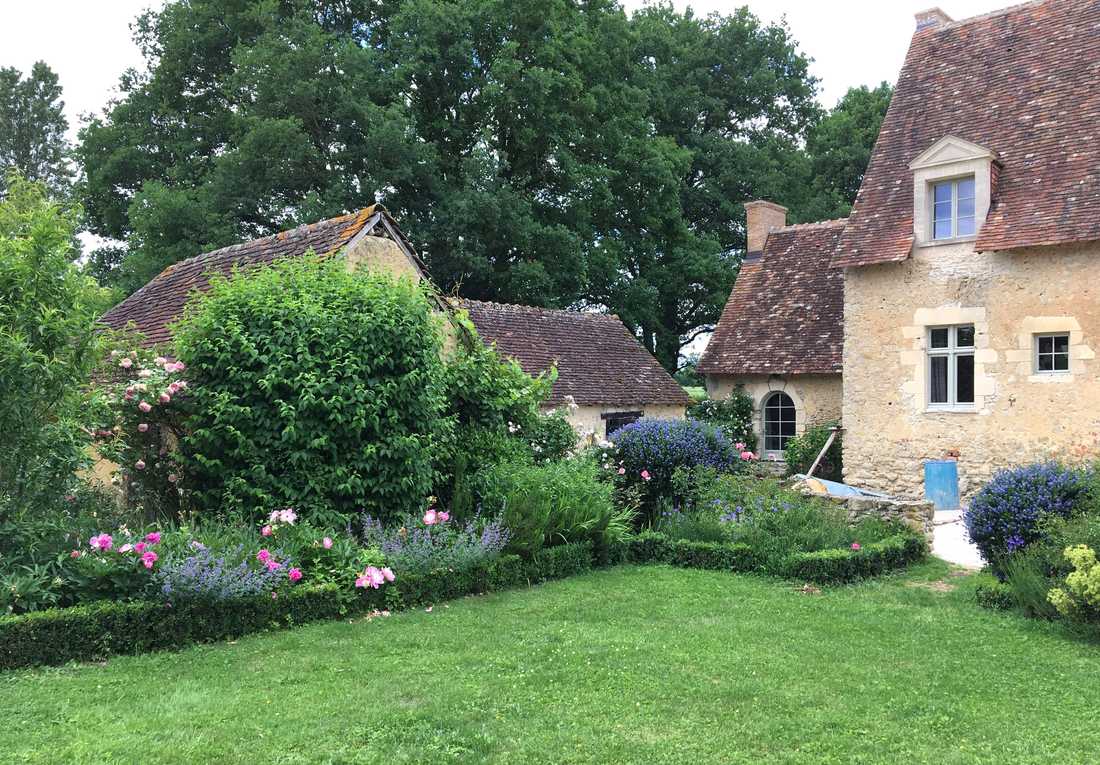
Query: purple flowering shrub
[1006,515]
[208,575]
[422,544]
[647,453]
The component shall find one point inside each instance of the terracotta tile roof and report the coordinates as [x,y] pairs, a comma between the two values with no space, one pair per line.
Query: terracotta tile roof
[786,312]
[599,361]
[160,302]
[1021,82]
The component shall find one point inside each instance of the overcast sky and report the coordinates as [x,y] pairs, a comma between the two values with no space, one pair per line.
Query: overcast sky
[87,42]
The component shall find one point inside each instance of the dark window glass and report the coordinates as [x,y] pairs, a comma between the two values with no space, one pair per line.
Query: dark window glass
[779,422]
[964,336]
[617,420]
[939,380]
[1061,343]
[964,379]
[1046,345]
[1046,362]
[940,337]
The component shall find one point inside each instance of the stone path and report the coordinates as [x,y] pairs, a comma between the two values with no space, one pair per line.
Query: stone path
[949,540]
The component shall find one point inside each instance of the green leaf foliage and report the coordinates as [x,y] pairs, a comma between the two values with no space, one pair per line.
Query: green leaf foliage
[32,129]
[315,388]
[801,451]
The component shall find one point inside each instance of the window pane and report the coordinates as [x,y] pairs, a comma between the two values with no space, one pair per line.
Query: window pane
[1061,362]
[941,229]
[964,336]
[1046,344]
[941,192]
[964,227]
[966,207]
[1061,343]
[938,369]
[964,379]
[966,191]
[938,337]
[1046,362]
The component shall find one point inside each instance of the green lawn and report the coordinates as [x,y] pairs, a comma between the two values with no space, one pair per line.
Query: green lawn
[631,665]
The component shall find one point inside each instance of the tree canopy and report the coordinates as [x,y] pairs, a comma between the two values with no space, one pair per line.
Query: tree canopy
[547,152]
[32,128]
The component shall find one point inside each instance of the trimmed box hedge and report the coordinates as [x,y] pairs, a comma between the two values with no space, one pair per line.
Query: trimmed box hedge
[107,628]
[823,567]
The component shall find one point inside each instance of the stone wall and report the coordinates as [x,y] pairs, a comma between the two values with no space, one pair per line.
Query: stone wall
[588,423]
[382,255]
[817,398]
[916,514]
[1018,416]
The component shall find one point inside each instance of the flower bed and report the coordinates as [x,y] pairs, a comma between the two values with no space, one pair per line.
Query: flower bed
[102,629]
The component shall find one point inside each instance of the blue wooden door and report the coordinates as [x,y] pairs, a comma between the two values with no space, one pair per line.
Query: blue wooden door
[941,483]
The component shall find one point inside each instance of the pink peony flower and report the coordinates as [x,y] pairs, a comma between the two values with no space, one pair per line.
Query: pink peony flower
[263,556]
[294,574]
[443,516]
[265,531]
[160,361]
[431,517]
[274,565]
[645,475]
[101,542]
[139,548]
[140,464]
[149,559]
[174,388]
[856,546]
[739,446]
[327,543]
[372,577]
[143,427]
[164,398]
[74,554]
[387,574]
[288,516]
[126,363]
[622,471]
[153,537]
[747,455]
[361,581]
[145,406]
[126,548]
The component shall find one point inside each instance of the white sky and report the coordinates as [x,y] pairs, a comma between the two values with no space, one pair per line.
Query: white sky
[87,42]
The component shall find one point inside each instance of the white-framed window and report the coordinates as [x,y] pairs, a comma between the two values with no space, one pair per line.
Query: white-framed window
[951,367]
[1052,354]
[780,423]
[953,208]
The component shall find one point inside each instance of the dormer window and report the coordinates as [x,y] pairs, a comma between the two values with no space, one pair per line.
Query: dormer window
[952,191]
[953,208]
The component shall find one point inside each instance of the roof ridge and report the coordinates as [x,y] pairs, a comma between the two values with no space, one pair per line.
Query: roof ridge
[830,223]
[956,23]
[537,309]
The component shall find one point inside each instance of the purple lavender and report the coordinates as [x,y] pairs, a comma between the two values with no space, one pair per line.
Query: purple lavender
[206,576]
[411,547]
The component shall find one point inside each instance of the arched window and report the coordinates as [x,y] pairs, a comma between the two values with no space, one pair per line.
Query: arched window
[779,422]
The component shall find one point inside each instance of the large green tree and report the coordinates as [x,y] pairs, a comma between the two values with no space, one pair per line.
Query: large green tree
[32,128]
[550,152]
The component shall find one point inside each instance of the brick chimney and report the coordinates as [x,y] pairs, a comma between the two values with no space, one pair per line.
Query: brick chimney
[933,17]
[760,218]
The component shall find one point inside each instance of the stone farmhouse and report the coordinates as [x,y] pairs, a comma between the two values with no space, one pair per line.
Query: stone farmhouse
[605,377]
[962,291]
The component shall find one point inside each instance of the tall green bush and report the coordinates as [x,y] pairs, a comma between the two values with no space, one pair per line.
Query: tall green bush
[802,450]
[312,387]
[733,414]
[48,347]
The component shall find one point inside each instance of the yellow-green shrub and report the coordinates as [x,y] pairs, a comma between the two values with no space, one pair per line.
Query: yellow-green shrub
[1082,594]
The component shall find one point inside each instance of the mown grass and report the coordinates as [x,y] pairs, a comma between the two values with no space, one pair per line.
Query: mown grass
[630,665]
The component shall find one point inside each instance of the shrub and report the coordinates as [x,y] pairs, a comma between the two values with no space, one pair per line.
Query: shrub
[48,348]
[315,388]
[848,564]
[994,594]
[1080,599]
[802,450]
[733,414]
[434,542]
[703,525]
[776,523]
[648,453]
[544,505]
[1005,515]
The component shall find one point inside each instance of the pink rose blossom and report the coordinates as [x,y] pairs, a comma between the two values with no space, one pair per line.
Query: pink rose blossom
[739,446]
[431,518]
[153,537]
[443,516]
[149,559]
[160,361]
[263,556]
[145,406]
[747,455]
[327,543]
[288,516]
[164,398]
[174,388]
[139,548]
[645,475]
[74,554]
[265,531]
[126,363]
[140,464]
[143,427]
[172,478]
[387,574]
[126,548]
[294,574]
[856,546]
[274,565]
[622,471]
